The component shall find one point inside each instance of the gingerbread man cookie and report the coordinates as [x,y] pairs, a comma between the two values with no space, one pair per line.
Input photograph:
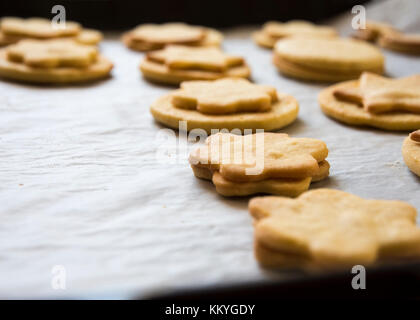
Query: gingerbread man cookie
[327,229]
[175,64]
[229,103]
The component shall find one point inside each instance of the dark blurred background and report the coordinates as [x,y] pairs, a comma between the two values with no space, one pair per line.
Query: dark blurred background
[124,14]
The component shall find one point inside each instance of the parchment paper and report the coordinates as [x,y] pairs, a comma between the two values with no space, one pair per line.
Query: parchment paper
[81,186]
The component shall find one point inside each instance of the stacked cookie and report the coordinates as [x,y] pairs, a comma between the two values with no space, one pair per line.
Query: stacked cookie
[53,61]
[229,104]
[373,100]
[14,29]
[176,63]
[330,229]
[411,152]
[389,37]
[273,31]
[148,37]
[271,163]
[326,59]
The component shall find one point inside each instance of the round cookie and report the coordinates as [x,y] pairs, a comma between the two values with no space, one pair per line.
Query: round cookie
[282,113]
[326,59]
[52,61]
[411,153]
[353,114]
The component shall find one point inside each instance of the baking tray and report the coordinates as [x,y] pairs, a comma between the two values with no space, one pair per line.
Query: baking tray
[83,191]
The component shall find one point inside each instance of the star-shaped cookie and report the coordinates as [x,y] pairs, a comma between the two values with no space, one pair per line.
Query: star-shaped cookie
[199,58]
[379,94]
[228,95]
[52,53]
[273,155]
[331,228]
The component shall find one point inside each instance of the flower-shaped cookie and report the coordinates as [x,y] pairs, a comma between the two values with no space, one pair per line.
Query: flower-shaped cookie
[37,28]
[378,94]
[224,96]
[328,228]
[273,155]
[52,53]
[206,58]
[176,63]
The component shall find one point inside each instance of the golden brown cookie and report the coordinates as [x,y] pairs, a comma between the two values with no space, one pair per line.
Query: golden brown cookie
[230,95]
[327,229]
[379,94]
[411,152]
[52,61]
[175,64]
[260,163]
[373,31]
[148,37]
[274,30]
[326,59]
[348,110]
[282,112]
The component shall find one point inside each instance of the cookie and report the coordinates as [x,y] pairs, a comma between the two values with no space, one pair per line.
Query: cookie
[224,96]
[373,31]
[389,37]
[261,163]
[282,111]
[148,37]
[379,94]
[411,152]
[274,30]
[13,30]
[175,64]
[52,61]
[326,59]
[328,229]
[342,102]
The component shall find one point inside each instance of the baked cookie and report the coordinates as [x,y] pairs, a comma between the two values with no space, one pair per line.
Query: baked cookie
[390,104]
[326,59]
[14,29]
[411,152]
[229,103]
[148,37]
[260,163]
[274,30]
[389,37]
[52,61]
[328,229]
[176,63]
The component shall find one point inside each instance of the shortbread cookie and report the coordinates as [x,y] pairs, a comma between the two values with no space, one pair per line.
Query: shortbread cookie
[289,187]
[274,30]
[327,228]
[389,37]
[283,108]
[37,28]
[224,96]
[148,37]
[270,163]
[411,152]
[13,30]
[326,59]
[52,61]
[348,110]
[378,94]
[175,64]
[373,31]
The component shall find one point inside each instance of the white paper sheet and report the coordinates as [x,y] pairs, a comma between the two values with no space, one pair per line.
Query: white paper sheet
[81,188]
